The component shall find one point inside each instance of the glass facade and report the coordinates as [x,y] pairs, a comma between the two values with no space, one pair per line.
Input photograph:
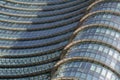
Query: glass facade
[94,50]
[33,34]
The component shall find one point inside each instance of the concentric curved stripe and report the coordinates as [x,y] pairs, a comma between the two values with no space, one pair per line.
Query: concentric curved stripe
[37,27]
[43,14]
[25,72]
[86,40]
[77,62]
[84,59]
[42,42]
[32,51]
[46,8]
[99,2]
[99,12]
[38,77]
[97,41]
[90,26]
[33,34]
[38,2]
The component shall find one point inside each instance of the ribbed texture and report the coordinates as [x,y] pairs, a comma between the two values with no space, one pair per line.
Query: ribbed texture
[94,50]
[33,33]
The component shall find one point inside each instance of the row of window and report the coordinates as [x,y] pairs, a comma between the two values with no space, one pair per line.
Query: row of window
[112,3]
[35,34]
[114,6]
[39,77]
[103,34]
[100,55]
[87,52]
[25,37]
[32,51]
[29,60]
[46,13]
[103,38]
[63,23]
[48,31]
[107,8]
[75,18]
[40,8]
[90,53]
[85,71]
[35,42]
[99,36]
[109,32]
[42,2]
[44,19]
[109,22]
[25,70]
[97,51]
[62,5]
[94,47]
[105,22]
[105,16]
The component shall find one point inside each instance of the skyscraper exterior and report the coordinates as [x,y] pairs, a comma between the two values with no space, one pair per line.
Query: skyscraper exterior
[94,49]
[33,34]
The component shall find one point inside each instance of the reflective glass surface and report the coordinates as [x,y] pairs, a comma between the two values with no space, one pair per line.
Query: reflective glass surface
[94,50]
[33,34]
[85,71]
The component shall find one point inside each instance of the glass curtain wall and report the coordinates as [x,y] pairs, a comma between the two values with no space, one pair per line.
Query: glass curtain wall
[94,50]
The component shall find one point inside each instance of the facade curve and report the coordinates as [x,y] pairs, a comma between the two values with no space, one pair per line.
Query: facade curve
[93,52]
[33,34]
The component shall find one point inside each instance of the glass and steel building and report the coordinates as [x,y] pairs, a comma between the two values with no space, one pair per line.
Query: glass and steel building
[65,39]
[33,34]
[93,52]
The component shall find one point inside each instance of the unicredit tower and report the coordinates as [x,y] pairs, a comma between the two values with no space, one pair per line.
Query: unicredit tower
[59,39]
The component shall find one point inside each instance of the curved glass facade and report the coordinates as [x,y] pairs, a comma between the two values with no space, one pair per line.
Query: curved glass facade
[33,34]
[94,50]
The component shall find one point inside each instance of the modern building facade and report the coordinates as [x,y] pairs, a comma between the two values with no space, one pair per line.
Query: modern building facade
[33,34]
[94,49]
